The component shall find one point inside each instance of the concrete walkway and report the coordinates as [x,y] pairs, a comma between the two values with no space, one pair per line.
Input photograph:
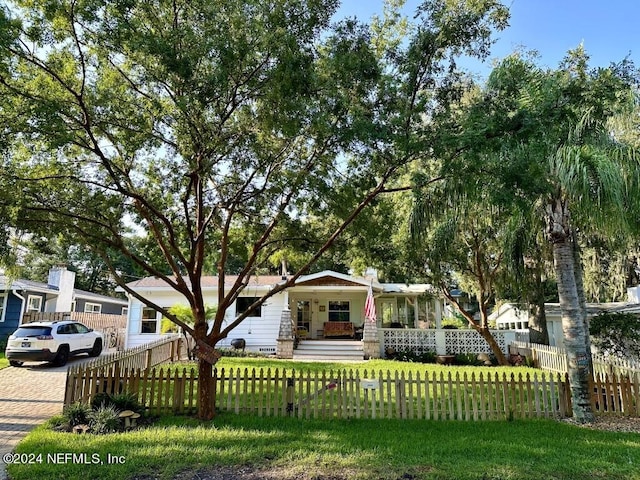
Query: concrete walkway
[29,395]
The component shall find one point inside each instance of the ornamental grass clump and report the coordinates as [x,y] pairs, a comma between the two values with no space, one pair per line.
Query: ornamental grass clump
[105,419]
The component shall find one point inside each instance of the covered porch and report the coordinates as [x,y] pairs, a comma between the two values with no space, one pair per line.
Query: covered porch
[329,305]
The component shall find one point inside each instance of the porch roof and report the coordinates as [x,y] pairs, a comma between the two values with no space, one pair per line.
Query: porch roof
[326,280]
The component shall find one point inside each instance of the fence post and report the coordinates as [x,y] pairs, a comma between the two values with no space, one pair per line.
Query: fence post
[149,359]
[290,392]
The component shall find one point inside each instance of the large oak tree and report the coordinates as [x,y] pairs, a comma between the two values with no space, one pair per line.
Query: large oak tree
[186,122]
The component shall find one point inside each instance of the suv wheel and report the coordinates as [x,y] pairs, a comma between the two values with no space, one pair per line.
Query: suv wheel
[62,357]
[97,348]
[15,363]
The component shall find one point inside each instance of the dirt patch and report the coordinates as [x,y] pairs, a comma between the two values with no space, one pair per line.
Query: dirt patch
[240,472]
[244,472]
[610,423]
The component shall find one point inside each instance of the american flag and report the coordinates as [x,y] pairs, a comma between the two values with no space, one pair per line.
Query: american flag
[370,307]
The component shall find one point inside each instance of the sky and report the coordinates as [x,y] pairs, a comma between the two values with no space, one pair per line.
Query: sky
[608,29]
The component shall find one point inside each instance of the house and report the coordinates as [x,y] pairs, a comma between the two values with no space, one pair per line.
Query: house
[511,316]
[323,305]
[59,294]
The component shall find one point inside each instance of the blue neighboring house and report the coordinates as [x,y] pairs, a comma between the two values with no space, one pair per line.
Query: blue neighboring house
[18,297]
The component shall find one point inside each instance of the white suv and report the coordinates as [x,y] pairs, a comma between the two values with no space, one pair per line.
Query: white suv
[52,342]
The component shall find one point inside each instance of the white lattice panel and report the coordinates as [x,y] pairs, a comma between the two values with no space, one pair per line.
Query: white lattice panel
[470,341]
[415,340]
[455,341]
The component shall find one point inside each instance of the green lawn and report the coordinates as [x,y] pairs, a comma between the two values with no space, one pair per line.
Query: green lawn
[288,448]
[337,450]
[370,366]
[3,361]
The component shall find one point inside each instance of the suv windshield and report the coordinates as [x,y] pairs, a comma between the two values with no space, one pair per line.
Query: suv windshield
[34,331]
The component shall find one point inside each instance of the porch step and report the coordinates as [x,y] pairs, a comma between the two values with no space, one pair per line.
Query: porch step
[329,350]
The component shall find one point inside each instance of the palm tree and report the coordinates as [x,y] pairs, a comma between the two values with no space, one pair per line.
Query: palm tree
[585,171]
[535,140]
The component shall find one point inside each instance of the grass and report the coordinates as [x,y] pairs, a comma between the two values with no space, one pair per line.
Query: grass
[371,366]
[519,450]
[3,361]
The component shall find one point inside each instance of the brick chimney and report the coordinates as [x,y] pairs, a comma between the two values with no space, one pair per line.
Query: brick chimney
[64,280]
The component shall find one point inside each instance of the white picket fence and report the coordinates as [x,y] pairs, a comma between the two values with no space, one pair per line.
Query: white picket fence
[554,359]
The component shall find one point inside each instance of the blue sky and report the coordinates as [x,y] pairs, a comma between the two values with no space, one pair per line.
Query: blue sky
[608,28]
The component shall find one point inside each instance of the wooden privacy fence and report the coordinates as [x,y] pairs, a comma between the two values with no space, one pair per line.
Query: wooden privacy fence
[340,394]
[97,321]
[112,326]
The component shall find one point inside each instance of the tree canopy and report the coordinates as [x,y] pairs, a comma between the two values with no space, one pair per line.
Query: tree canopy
[186,122]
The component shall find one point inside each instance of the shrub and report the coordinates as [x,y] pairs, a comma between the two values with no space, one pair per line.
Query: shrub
[411,356]
[99,399]
[232,352]
[77,413]
[125,401]
[468,359]
[104,419]
[616,334]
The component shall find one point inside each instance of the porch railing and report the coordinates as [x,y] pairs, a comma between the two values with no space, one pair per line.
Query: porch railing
[446,341]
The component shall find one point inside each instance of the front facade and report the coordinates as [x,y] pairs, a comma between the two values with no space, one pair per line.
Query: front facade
[19,297]
[322,305]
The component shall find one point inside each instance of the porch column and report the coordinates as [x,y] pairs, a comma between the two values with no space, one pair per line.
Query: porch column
[438,312]
[370,340]
[284,345]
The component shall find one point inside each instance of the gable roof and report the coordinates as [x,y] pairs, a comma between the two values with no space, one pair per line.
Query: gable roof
[97,297]
[39,287]
[7,283]
[331,278]
[326,278]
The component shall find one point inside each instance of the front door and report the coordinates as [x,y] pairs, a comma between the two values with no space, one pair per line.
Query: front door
[303,318]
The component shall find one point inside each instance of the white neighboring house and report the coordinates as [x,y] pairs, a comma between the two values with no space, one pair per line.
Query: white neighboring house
[511,316]
[314,299]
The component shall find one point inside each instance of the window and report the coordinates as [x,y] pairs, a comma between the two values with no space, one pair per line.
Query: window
[149,322]
[339,311]
[92,308]
[32,331]
[66,329]
[125,311]
[3,305]
[73,306]
[243,304]
[81,328]
[303,308]
[34,304]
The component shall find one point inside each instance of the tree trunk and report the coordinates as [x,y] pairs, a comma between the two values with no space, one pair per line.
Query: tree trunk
[573,331]
[207,357]
[577,265]
[482,328]
[206,393]
[538,332]
[495,348]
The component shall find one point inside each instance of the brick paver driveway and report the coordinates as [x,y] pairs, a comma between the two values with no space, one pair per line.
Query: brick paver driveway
[28,396]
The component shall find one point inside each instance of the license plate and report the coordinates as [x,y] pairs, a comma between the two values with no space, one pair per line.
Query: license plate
[26,344]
